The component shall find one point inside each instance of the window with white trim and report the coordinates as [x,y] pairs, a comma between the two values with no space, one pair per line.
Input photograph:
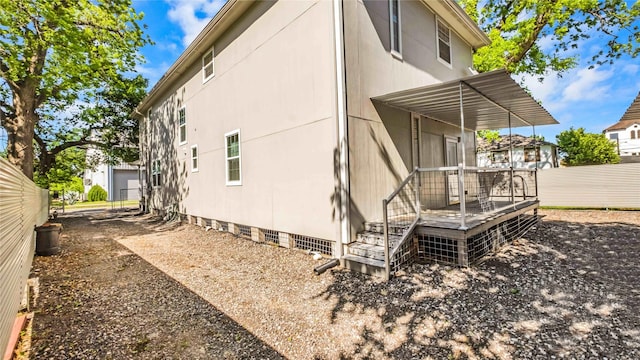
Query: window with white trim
[232,157]
[207,65]
[194,158]
[532,155]
[394,26]
[182,125]
[444,42]
[156,173]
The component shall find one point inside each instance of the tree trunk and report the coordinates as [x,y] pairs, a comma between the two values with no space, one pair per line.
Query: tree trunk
[20,130]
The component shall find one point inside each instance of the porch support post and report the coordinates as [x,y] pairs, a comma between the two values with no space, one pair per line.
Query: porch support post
[461,191]
[513,198]
[537,150]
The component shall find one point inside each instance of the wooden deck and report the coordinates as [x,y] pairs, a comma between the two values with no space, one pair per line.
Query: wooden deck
[449,217]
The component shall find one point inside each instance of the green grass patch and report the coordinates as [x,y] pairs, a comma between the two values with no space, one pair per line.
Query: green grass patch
[95,204]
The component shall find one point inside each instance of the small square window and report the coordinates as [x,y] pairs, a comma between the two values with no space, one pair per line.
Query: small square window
[207,66]
[613,136]
[444,42]
[233,162]
[182,125]
[194,158]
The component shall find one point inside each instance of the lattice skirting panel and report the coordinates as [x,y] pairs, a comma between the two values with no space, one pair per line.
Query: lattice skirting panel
[268,236]
[466,250]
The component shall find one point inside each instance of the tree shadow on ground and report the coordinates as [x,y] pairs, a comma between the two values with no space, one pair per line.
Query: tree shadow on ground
[99,300]
[566,290]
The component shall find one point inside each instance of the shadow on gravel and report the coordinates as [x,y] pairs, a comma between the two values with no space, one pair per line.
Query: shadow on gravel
[99,300]
[566,290]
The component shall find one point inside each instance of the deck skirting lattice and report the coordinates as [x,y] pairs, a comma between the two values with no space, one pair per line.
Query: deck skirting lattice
[462,249]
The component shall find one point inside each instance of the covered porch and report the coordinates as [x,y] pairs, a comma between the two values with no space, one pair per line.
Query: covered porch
[458,213]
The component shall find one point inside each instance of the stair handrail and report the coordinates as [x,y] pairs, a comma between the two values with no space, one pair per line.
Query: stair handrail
[387,253]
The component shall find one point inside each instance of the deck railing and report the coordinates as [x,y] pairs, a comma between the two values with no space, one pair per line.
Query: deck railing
[453,194]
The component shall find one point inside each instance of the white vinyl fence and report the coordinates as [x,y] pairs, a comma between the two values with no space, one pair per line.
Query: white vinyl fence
[596,186]
[23,206]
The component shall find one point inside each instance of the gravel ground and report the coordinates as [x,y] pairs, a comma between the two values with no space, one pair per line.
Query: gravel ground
[132,287]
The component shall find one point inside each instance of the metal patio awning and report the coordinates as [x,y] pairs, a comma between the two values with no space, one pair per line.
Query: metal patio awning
[491,100]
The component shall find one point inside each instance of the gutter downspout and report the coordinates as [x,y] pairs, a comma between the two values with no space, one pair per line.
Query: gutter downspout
[343,139]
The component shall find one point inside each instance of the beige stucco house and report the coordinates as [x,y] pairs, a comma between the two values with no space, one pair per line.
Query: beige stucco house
[290,122]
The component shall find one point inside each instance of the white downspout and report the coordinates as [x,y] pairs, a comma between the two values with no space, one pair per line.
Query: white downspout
[343,140]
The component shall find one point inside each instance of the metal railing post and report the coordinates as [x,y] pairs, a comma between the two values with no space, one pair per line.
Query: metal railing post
[416,185]
[462,197]
[387,265]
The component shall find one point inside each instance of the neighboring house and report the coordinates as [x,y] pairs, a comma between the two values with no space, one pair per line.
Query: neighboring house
[290,122]
[121,181]
[517,151]
[626,132]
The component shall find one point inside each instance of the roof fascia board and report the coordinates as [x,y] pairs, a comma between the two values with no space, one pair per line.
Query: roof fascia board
[459,21]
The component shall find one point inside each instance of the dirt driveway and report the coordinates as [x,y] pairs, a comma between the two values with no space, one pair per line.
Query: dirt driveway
[132,287]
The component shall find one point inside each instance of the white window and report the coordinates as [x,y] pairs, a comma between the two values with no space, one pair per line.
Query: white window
[532,155]
[194,158]
[182,125]
[232,155]
[155,173]
[394,26]
[207,66]
[613,136]
[444,42]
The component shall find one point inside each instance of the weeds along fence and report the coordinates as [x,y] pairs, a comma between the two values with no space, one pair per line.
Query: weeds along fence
[23,206]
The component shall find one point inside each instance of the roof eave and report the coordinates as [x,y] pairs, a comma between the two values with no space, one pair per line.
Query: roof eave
[456,17]
[205,39]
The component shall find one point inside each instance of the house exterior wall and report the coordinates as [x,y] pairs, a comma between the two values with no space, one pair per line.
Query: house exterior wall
[628,144]
[275,82]
[380,155]
[548,159]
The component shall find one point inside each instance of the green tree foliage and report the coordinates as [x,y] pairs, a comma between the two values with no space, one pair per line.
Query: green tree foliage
[54,52]
[69,165]
[516,29]
[581,148]
[97,193]
[489,135]
[105,124]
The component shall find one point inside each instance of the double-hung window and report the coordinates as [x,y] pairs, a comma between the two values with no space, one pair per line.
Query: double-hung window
[232,157]
[207,65]
[394,26]
[444,42]
[194,158]
[182,125]
[156,173]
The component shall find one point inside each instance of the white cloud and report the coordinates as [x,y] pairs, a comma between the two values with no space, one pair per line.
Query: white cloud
[631,69]
[589,84]
[192,15]
[152,73]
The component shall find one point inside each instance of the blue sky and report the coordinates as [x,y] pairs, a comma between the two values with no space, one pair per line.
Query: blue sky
[590,98]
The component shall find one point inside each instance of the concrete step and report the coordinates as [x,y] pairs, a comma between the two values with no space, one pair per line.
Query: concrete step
[375,238]
[378,227]
[366,250]
[363,265]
